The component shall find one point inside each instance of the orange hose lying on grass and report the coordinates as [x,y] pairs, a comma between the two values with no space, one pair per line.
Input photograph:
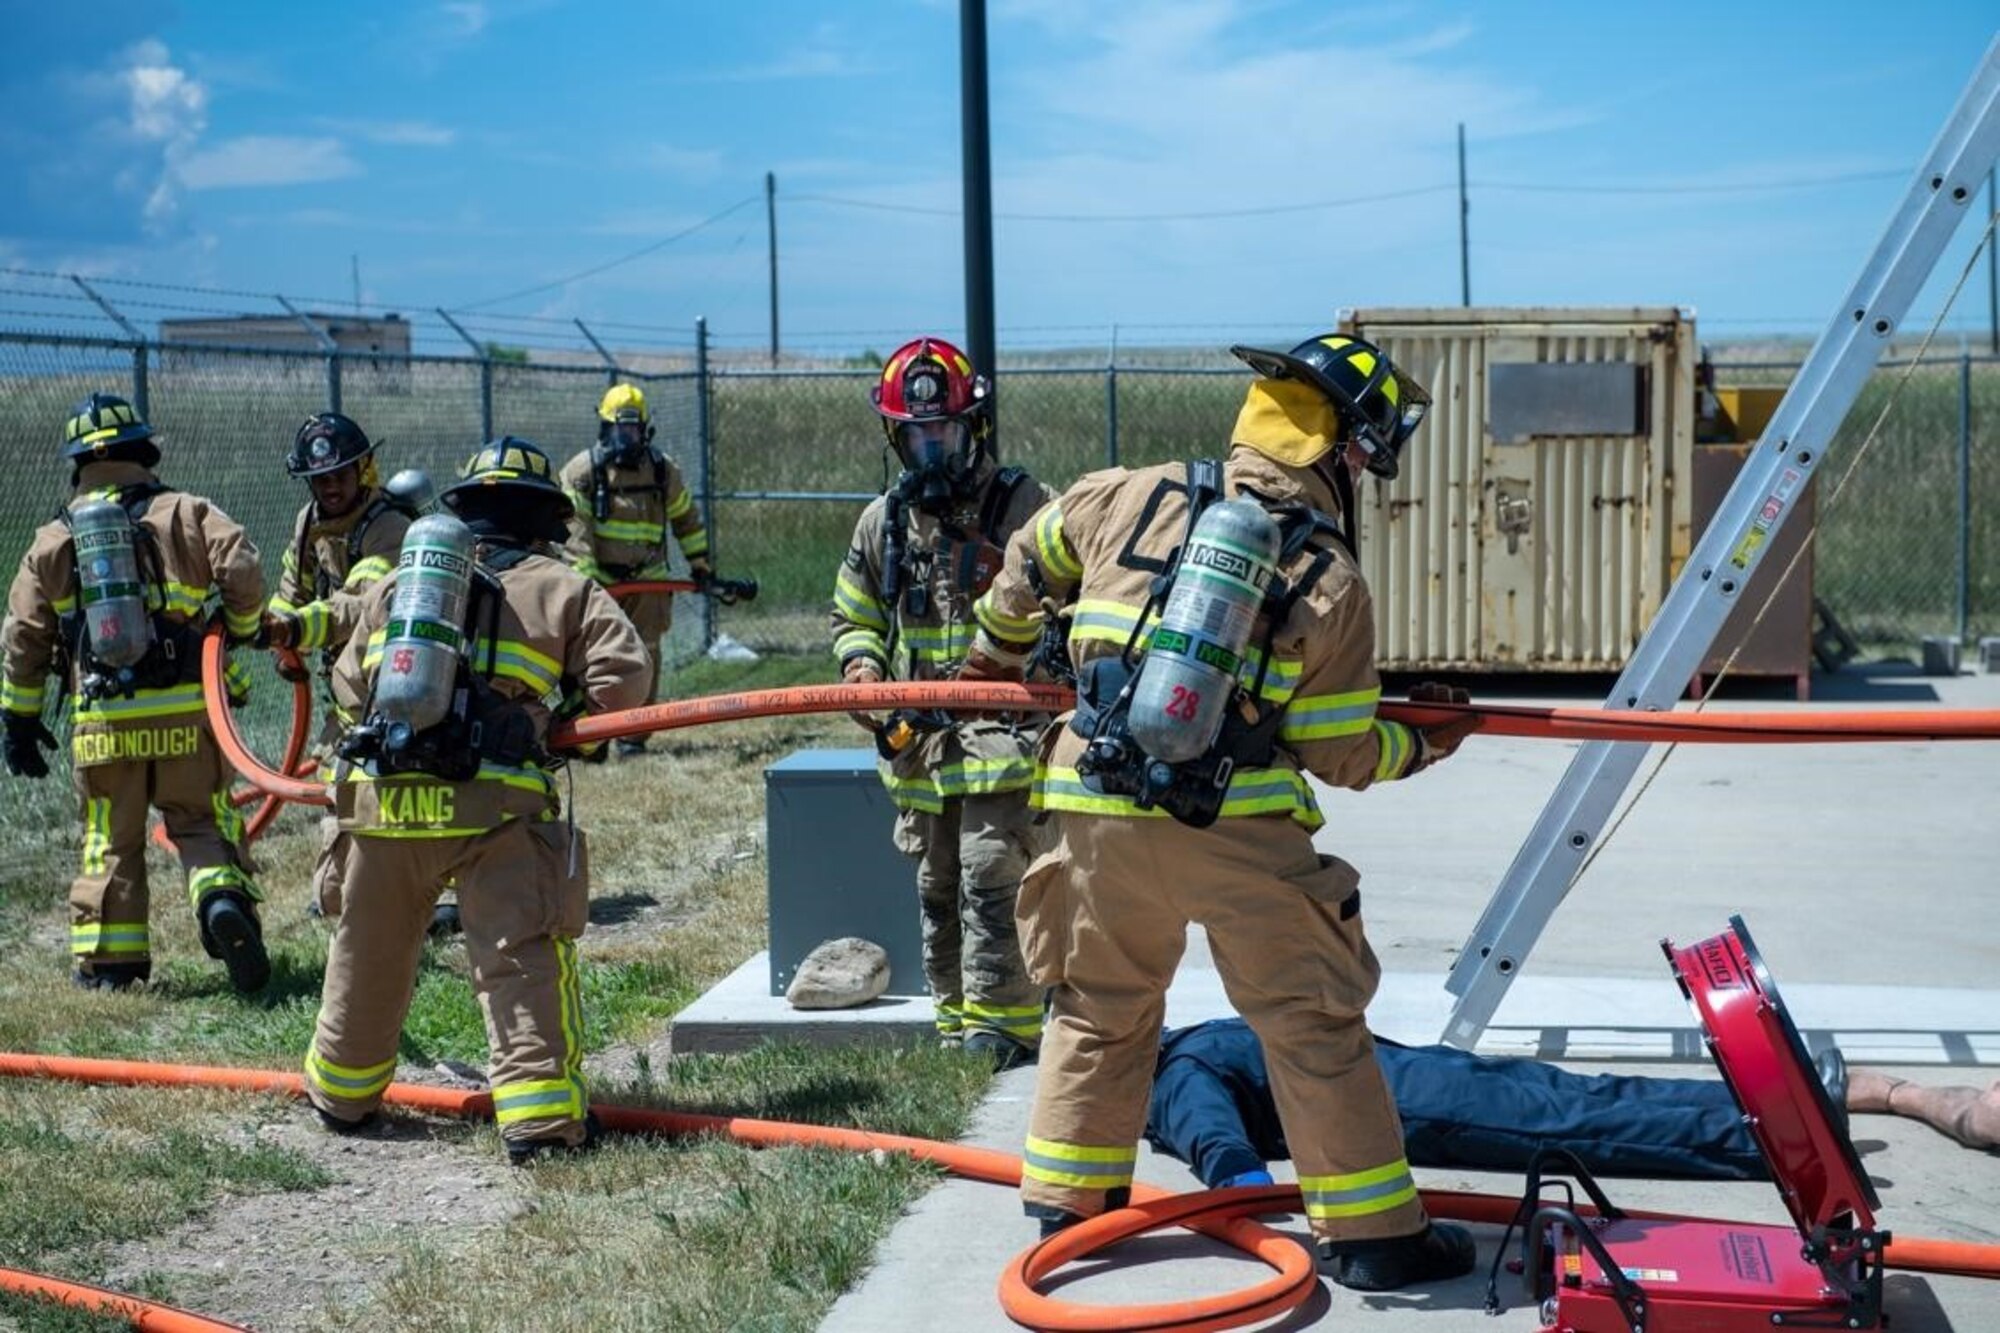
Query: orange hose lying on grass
[147,1316]
[1217,1213]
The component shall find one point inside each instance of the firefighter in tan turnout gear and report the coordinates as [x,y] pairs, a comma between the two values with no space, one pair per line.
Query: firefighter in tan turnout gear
[345,540]
[460,661]
[628,496]
[1219,662]
[902,605]
[113,597]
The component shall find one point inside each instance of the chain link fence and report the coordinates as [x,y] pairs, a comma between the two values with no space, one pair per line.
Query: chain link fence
[782,461]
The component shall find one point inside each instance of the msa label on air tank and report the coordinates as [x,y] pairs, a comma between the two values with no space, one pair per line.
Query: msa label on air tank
[434,558]
[1230,564]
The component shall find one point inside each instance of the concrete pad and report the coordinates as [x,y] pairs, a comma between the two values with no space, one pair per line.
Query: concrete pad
[1866,873]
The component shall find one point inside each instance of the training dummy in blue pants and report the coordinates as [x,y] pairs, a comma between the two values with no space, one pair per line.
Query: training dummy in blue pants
[1212,1108]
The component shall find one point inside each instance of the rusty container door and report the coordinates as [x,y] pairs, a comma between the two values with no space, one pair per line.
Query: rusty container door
[1543,508]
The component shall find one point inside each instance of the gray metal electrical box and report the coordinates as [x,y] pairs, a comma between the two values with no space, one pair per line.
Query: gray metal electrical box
[833,871]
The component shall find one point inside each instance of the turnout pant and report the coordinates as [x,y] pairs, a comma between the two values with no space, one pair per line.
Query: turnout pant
[1104,919]
[522,912]
[652,614]
[969,860]
[109,899]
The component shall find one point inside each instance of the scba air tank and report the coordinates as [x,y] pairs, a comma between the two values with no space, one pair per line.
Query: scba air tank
[1189,673]
[425,636]
[115,620]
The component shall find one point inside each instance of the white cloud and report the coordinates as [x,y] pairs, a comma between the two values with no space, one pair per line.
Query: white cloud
[468,17]
[260,159]
[167,106]
[396,133]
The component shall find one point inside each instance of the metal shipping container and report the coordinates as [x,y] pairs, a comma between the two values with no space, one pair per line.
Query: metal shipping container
[1543,507]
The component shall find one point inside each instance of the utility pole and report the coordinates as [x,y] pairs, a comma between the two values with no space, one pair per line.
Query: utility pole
[1992,268]
[977,169]
[771,230]
[1464,214]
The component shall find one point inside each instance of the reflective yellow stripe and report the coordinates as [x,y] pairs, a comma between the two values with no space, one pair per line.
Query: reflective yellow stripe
[695,544]
[368,570]
[228,818]
[1023,1022]
[1058,561]
[949,1021]
[857,604]
[18,698]
[96,834]
[1252,791]
[101,937]
[1398,745]
[860,643]
[143,703]
[682,503]
[538,1099]
[1360,1194]
[1005,628]
[345,1083]
[315,625]
[1078,1165]
[210,880]
[1315,717]
[631,531]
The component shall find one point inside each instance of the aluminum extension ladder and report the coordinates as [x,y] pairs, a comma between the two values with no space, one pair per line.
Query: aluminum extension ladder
[1765,493]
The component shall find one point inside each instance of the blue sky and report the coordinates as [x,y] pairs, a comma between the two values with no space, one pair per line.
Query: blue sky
[1189,171]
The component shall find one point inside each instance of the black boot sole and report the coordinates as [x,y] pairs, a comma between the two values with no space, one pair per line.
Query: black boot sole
[242,951]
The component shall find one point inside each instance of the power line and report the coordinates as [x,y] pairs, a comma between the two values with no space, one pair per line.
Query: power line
[1745,187]
[592,272]
[1211,215]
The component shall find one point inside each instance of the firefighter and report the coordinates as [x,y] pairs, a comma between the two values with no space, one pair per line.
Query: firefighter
[628,495]
[1152,839]
[122,628]
[902,606]
[454,784]
[346,538]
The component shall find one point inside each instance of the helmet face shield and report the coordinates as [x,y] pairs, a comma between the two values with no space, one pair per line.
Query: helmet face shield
[934,445]
[1399,408]
[625,438]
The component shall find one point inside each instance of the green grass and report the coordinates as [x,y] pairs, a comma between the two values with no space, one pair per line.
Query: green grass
[681,1234]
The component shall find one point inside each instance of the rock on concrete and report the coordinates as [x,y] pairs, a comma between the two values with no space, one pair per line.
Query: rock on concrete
[840,974]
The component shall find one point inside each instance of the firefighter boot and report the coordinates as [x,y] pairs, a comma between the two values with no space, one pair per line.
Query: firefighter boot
[230,932]
[98,975]
[1004,1052]
[526,1152]
[1055,1219]
[1439,1252]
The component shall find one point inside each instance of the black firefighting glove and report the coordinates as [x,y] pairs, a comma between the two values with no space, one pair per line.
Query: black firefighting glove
[26,738]
[1440,740]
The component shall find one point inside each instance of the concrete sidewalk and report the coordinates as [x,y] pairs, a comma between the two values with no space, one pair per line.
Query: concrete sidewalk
[1869,876]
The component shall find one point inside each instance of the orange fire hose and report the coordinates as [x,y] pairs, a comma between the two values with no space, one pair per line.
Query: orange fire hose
[292,762]
[1222,1214]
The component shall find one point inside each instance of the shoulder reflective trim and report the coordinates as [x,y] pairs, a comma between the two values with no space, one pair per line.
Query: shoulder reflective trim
[18,698]
[682,503]
[856,603]
[538,1099]
[144,703]
[1360,1194]
[1081,1166]
[1314,717]
[1052,545]
[367,570]
[345,1082]
[1397,745]
[100,937]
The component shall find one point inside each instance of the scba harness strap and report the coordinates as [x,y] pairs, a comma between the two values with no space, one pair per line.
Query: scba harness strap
[1193,790]
[174,658]
[600,480]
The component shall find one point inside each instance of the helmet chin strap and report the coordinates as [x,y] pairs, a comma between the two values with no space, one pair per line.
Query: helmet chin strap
[1341,478]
